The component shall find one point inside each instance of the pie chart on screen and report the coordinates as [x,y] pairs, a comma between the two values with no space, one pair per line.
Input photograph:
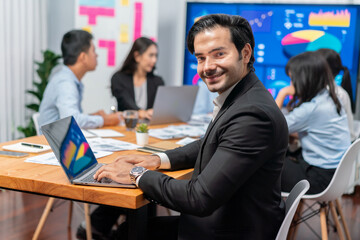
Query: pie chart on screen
[309,40]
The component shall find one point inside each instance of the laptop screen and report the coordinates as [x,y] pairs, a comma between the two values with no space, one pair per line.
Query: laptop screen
[70,146]
[173,104]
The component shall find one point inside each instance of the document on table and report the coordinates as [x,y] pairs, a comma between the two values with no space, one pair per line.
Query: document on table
[200,119]
[186,141]
[90,133]
[109,144]
[50,159]
[178,131]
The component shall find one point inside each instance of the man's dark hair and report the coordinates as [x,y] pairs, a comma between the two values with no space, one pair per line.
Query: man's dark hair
[73,43]
[240,31]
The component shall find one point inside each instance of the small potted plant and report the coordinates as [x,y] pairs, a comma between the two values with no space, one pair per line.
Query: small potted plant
[142,134]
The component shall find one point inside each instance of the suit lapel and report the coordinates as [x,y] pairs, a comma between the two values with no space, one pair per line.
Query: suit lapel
[240,89]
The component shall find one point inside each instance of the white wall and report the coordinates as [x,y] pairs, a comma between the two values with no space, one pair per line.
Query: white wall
[61,19]
[171,41]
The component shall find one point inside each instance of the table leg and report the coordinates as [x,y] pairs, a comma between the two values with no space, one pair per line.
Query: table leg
[137,220]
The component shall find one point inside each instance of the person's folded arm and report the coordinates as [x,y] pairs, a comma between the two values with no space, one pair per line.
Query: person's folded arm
[283,93]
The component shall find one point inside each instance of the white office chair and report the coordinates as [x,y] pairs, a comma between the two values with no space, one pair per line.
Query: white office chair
[291,205]
[35,118]
[337,186]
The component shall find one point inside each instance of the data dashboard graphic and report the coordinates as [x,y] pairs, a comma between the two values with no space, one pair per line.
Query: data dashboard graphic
[333,18]
[75,152]
[282,31]
[309,40]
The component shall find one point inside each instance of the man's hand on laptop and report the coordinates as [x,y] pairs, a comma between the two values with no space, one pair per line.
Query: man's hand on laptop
[149,162]
[117,171]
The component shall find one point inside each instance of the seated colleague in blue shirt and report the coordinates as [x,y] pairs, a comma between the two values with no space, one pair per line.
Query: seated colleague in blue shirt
[204,99]
[64,92]
[318,118]
[234,192]
[134,86]
[344,91]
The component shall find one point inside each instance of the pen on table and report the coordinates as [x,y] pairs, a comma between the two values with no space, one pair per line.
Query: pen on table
[31,145]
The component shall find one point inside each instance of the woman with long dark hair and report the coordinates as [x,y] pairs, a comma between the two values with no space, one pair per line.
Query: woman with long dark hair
[316,115]
[134,85]
[334,60]
[343,92]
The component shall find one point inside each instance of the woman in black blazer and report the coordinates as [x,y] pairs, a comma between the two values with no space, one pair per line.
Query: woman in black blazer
[135,84]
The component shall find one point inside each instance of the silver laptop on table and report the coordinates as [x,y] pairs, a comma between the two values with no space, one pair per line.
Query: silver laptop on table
[173,104]
[74,153]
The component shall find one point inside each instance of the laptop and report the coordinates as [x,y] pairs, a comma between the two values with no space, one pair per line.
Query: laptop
[74,153]
[173,104]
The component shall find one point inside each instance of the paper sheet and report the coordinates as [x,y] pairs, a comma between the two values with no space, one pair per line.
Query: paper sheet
[88,133]
[50,159]
[186,141]
[112,145]
[178,131]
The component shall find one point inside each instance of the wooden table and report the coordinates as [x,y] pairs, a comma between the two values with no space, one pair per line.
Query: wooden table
[15,174]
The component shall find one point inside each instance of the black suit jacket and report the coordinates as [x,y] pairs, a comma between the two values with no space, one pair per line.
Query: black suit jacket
[234,192]
[122,88]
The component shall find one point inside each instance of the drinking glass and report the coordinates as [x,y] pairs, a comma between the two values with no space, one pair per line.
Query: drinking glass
[131,118]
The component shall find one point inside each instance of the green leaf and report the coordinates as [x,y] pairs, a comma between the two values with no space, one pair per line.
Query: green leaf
[33,106]
[142,128]
[29,130]
[44,68]
[36,94]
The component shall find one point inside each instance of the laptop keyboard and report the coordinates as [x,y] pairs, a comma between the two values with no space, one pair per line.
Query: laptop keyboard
[90,177]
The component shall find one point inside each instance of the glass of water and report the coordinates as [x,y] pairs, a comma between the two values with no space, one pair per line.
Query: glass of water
[131,118]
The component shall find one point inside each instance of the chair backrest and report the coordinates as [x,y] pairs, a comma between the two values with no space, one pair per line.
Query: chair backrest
[340,181]
[35,118]
[291,205]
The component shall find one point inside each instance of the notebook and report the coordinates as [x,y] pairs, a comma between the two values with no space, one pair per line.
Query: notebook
[159,147]
[173,104]
[74,153]
[18,147]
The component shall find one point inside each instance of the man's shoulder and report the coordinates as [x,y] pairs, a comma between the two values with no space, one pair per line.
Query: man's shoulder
[62,77]
[258,101]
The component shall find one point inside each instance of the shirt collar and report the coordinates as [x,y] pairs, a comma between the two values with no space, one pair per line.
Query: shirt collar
[220,100]
[74,78]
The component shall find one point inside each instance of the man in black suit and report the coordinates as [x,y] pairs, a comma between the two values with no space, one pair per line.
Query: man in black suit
[234,192]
